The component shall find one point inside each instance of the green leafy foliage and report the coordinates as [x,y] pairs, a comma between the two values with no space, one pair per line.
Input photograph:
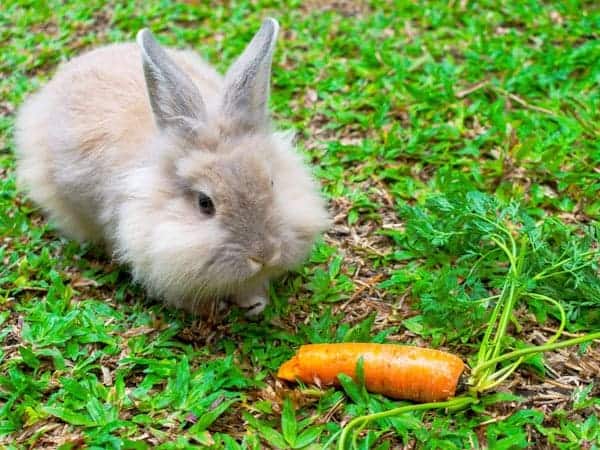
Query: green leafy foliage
[454,234]
[295,434]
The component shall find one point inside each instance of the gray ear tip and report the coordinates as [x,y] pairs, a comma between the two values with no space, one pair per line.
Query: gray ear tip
[272,21]
[143,37]
[271,25]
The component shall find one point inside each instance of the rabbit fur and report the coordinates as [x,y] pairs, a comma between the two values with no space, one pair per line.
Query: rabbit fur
[127,142]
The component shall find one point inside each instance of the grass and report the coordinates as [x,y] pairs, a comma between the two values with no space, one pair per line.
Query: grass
[414,116]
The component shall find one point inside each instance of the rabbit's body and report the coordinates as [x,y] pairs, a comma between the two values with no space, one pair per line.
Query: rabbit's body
[123,152]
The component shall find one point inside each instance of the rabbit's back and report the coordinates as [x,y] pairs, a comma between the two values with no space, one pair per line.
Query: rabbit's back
[86,128]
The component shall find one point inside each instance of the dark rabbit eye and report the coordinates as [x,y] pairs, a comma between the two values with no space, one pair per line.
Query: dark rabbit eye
[205,203]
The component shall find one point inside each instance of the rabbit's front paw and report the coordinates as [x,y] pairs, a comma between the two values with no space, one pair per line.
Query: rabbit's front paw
[253,302]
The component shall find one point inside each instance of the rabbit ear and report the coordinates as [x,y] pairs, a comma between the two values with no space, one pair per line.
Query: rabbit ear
[176,101]
[247,81]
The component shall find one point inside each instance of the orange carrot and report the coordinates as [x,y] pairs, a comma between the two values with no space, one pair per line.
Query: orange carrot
[397,371]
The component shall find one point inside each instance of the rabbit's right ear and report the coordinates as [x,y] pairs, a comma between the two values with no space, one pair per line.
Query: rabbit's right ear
[247,81]
[176,101]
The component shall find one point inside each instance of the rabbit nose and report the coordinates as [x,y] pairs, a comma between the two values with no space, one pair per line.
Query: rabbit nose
[269,254]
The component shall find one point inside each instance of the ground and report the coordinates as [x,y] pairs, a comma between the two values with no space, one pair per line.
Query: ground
[410,114]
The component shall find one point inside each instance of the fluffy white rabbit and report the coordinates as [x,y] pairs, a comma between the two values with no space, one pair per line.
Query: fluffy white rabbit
[175,169]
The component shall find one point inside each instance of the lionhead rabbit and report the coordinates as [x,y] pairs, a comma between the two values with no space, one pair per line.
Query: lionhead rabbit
[175,169]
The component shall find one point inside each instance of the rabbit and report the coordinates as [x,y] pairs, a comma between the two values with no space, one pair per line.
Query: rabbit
[176,170]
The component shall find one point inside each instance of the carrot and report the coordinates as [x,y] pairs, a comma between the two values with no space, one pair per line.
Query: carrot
[397,371]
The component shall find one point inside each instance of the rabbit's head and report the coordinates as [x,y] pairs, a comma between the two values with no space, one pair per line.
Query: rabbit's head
[228,203]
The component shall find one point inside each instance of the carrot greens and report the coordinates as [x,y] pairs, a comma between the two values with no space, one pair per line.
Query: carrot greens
[535,262]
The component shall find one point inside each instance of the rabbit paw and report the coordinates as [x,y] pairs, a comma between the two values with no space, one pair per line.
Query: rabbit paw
[254,303]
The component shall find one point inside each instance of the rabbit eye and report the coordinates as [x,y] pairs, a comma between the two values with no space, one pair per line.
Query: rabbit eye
[206,204]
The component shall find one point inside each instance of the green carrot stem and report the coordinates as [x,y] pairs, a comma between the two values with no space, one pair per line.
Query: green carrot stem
[500,373]
[513,296]
[511,257]
[486,299]
[494,250]
[560,272]
[522,252]
[537,349]
[544,273]
[483,347]
[504,319]
[561,310]
[496,378]
[457,402]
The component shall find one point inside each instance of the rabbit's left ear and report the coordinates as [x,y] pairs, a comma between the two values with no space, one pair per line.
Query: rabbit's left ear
[175,100]
[246,95]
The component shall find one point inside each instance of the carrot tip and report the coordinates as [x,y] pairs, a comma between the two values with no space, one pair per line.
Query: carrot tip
[289,370]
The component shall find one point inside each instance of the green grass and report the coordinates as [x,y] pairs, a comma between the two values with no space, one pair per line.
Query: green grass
[414,115]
